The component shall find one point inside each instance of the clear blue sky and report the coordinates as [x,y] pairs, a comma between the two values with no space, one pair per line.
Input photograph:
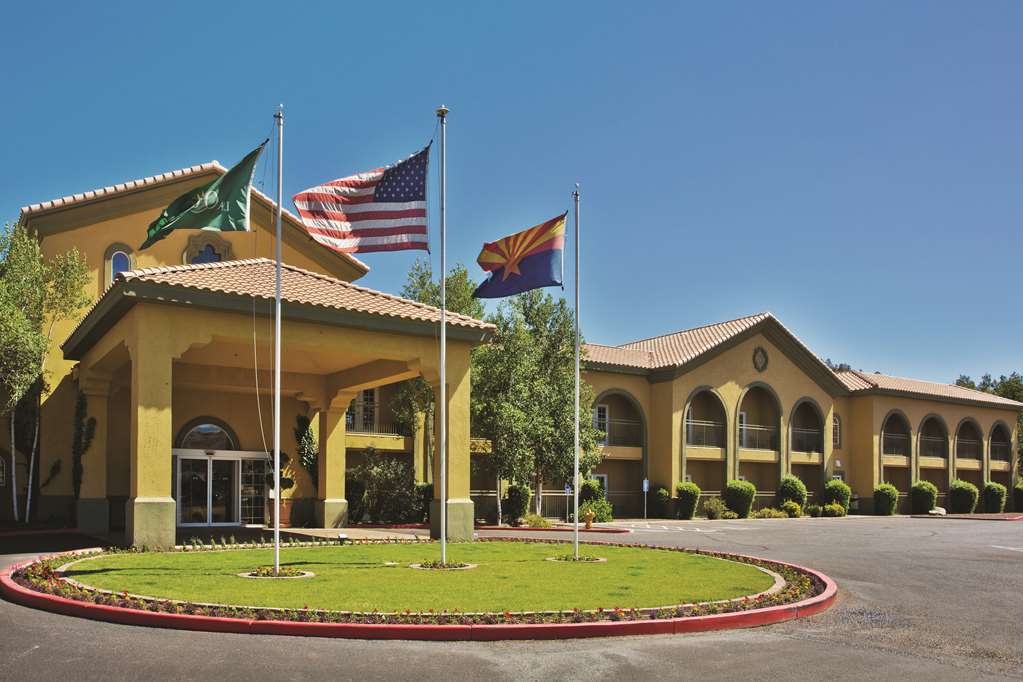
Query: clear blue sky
[856,168]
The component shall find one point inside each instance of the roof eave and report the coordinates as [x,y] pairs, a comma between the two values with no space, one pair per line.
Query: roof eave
[1015,407]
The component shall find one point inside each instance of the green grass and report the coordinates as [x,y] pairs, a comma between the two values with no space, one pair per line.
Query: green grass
[510,576]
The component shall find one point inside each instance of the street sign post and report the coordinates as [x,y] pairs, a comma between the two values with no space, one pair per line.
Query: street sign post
[646,489]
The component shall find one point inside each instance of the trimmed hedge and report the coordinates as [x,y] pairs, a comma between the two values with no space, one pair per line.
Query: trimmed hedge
[739,496]
[962,497]
[770,513]
[792,509]
[886,499]
[993,497]
[833,509]
[813,510]
[836,492]
[688,497]
[714,508]
[923,497]
[662,503]
[1017,497]
[791,488]
[516,502]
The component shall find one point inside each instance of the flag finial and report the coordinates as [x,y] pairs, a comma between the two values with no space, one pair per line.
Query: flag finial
[442,111]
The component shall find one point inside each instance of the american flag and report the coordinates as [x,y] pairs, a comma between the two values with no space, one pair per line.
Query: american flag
[382,210]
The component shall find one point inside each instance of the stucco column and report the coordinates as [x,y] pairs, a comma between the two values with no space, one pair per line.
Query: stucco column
[460,511]
[951,462]
[92,509]
[331,503]
[150,509]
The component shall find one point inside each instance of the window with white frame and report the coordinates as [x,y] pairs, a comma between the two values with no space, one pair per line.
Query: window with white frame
[600,420]
[836,431]
[362,413]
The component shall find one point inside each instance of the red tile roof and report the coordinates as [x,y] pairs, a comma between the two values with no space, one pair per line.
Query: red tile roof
[861,381]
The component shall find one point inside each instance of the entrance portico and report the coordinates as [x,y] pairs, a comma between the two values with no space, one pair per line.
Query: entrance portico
[182,343]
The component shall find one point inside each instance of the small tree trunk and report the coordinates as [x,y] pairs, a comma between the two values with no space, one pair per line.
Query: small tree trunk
[500,516]
[32,463]
[14,471]
[539,493]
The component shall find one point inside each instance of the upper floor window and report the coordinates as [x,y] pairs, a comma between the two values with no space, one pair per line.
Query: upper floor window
[207,254]
[206,246]
[118,258]
[836,431]
[362,413]
[601,417]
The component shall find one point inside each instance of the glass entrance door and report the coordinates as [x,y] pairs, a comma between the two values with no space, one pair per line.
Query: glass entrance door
[210,491]
[193,498]
[224,490]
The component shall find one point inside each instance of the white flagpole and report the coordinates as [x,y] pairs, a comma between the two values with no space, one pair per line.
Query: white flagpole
[279,118]
[575,479]
[442,113]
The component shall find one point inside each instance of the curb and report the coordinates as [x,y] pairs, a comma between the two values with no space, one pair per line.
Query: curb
[516,529]
[18,594]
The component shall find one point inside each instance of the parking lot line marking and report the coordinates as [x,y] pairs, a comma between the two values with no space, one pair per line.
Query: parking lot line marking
[1011,549]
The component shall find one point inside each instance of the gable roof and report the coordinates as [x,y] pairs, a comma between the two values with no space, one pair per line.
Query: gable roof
[670,355]
[231,285]
[131,186]
[858,381]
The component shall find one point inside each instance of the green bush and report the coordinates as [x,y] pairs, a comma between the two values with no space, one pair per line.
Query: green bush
[770,513]
[532,520]
[356,492]
[602,510]
[836,492]
[791,488]
[729,514]
[993,497]
[886,499]
[833,509]
[739,496]
[662,503]
[813,510]
[792,509]
[591,489]
[1017,497]
[688,497]
[923,497]
[425,498]
[516,502]
[389,491]
[962,497]
[713,508]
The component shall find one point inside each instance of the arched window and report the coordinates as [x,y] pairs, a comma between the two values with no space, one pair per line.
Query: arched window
[836,431]
[207,434]
[119,262]
[118,258]
[207,254]
[206,246]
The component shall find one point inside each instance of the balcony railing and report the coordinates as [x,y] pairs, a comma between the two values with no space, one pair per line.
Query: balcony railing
[807,440]
[703,433]
[933,446]
[895,444]
[756,437]
[380,429]
[1001,451]
[967,448]
[624,432]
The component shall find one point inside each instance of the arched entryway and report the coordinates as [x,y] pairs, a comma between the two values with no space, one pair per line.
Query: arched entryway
[896,451]
[932,447]
[969,452]
[620,416]
[758,427]
[214,482]
[806,444]
[1000,454]
[705,441]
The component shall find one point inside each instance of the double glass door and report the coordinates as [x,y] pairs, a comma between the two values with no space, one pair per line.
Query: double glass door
[219,490]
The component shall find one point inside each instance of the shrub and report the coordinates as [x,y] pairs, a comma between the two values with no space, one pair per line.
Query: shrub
[516,502]
[833,509]
[791,488]
[1017,497]
[591,489]
[602,510]
[837,492]
[532,520]
[356,492]
[425,498]
[688,497]
[813,510]
[770,513]
[739,496]
[923,497]
[713,508]
[993,497]
[729,514]
[962,497]
[792,509]
[390,493]
[886,499]
[662,503]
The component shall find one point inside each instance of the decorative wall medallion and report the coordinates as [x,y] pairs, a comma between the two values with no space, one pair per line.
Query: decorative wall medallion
[759,359]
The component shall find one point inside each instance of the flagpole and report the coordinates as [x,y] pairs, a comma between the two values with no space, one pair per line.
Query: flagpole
[575,479]
[442,113]
[279,120]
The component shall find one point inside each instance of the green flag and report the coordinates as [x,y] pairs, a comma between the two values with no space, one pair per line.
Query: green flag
[219,205]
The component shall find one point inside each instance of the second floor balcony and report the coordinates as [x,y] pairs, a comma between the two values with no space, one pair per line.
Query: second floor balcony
[758,437]
[623,432]
[705,433]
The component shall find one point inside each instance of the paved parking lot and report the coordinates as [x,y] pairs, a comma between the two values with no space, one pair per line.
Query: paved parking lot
[919,599]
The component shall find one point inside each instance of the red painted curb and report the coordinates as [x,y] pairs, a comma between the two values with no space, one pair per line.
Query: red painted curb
[16,593]
[515,529]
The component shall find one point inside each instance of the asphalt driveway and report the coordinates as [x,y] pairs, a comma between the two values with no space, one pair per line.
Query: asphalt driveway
[919,599]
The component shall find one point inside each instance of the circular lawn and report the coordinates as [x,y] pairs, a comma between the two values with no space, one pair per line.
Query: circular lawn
[510,576]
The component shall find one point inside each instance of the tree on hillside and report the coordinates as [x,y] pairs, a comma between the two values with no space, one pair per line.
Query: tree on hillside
[45,292]
[551,326]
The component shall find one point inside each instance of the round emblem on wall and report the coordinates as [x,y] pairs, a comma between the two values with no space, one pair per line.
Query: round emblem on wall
[759,359]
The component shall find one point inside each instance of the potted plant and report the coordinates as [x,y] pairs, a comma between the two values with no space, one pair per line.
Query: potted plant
[287,483]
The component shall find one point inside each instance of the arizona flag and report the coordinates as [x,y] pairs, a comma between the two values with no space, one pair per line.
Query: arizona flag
[526,260]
